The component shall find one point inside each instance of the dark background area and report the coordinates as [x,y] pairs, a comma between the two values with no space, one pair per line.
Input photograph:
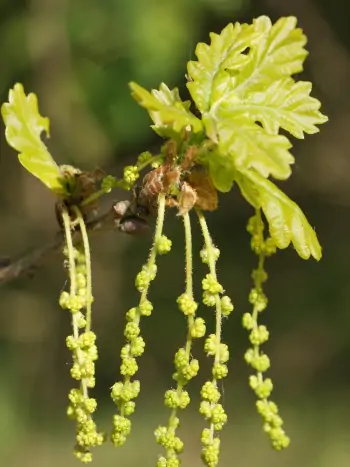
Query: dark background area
[78,56]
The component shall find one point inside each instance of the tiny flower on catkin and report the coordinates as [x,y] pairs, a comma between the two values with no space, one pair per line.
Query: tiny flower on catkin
[259,335]
[176,398]
[163,245]
[131,174]
[187,305]
[167,438]
[145,308]
[144,158]
[204,254]
[211,285]
[198,328]
[226,305]
[108,183]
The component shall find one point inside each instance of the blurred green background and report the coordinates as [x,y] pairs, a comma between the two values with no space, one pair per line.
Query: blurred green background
[78,56]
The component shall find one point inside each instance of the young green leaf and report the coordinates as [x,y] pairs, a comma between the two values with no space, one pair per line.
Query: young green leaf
[245,58]
[221,170]
[24,125]
[252,147]
[279,53]
[166,108]
[287,223]
[210,78]
[284,104]
[242,84]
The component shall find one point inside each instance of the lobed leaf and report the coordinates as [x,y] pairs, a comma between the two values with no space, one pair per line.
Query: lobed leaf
[242,84]
[210,77]
[252,147]
[284,104]
[166,109]
[24,125]
[279,53]
[287,223]
[244,58]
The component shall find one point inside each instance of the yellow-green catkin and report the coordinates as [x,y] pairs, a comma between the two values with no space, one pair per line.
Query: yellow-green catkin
[259,334]
[210,407]
[124,392]
[82,345]
[186,367]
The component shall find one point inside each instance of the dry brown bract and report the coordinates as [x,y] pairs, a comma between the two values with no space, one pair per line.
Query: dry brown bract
[186,185]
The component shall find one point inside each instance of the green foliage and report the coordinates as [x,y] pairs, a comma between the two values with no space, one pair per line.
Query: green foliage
[24,125]
[243,89]
[166,108]
[286,221]
[242,84]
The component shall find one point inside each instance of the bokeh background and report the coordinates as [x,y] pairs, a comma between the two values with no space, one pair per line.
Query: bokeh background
[78,56]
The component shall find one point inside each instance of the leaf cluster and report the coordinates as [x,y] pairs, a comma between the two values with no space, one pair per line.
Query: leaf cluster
[243,88]
[242,84]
